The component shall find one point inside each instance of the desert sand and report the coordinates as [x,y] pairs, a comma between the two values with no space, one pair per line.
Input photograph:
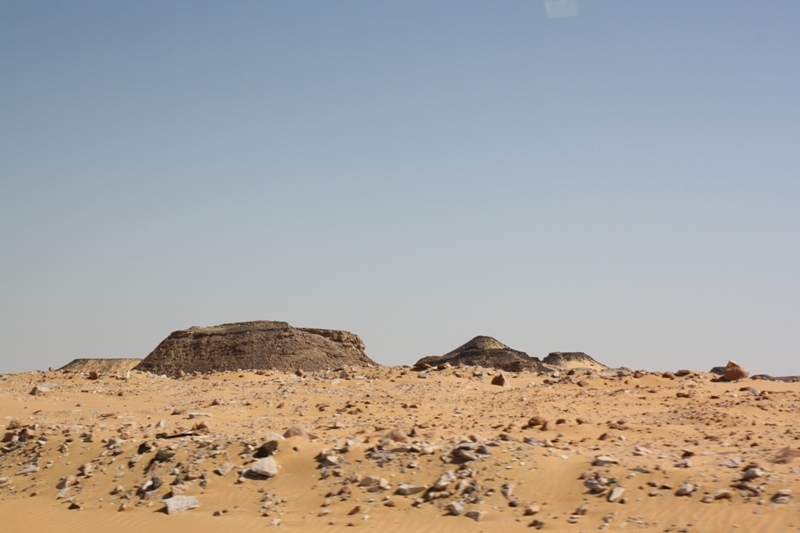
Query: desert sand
[394,449]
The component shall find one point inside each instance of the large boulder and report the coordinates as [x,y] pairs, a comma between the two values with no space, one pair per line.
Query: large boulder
[734,371]
[487,352]
[261,345]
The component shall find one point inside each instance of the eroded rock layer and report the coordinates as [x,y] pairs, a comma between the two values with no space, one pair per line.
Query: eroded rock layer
[104,366]
[488,352]
[572,360]
[259,345]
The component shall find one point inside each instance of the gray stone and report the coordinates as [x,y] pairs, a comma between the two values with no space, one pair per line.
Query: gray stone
[265,467]
[407,490]
[224,468]
[752,473]
[615,494]
[178,504]
[476,515]
[444,480]
[604,460]
[456,508]
[28,470]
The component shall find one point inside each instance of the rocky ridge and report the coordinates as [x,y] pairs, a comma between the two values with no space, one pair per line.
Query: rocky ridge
[487,352]
[105,366]
[572,360]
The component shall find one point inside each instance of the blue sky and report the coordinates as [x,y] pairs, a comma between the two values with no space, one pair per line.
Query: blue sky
[623,182]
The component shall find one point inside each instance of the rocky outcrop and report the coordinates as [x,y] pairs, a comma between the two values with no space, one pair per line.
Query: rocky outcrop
[487,352]
[734,371]
[259,345]
[103,366]
[572,360]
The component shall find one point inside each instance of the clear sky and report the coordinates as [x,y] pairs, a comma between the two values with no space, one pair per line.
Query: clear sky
[624,182]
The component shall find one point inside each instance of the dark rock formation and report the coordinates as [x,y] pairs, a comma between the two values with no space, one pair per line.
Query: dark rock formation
[260,345]
[490,353]
[572,360]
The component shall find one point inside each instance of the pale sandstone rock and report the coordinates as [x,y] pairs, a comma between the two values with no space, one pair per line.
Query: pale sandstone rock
[734,371]
[178,504]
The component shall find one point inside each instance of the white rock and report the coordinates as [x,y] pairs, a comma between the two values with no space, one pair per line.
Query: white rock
[406,490]
[476,515]
[178,504]
[265,467]
[615,494]
[456,508]
[604,460]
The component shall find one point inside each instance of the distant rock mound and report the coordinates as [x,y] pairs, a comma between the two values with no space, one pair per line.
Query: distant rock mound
[258,345]
[490,353]
[572,360]
[102,366]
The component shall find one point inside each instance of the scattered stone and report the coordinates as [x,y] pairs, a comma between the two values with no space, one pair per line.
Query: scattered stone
[297,431]
[615,494]
[783,496]
[178,504]
[265,467]
[685,490]
[28,470]
[396,435]
[604,460]
[476,515]
[531,510]
[407,490]
[752,473]
[266,449]
[39,390]
[456,508]
[785,456]
[224,468]
[444,480]
[733,462]
[501,381]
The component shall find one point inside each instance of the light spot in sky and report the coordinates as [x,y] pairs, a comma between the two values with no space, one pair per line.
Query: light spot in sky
[562,8]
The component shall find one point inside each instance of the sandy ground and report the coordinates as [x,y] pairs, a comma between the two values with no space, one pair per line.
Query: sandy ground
[77,456]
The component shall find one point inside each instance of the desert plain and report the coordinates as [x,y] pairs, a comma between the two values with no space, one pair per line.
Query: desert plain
[398,449]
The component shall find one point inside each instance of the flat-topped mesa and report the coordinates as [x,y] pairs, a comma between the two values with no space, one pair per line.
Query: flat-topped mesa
[488,352]
[569,360]
[257,345]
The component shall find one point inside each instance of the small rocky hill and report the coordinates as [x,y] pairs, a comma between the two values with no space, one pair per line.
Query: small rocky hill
[102,366]
[488,352]
[258,345]
[572,360]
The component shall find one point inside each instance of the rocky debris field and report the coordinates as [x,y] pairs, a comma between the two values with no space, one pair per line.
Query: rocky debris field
[393,448]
